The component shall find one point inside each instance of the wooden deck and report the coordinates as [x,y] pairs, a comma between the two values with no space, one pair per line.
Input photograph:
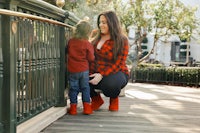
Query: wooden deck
[146,108]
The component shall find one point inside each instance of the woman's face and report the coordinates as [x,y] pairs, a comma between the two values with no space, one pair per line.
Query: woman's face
[103,25]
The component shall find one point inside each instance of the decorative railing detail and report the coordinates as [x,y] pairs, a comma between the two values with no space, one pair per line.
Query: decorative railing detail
[37,42]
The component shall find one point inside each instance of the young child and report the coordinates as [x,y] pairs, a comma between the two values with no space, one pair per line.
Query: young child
[80,52]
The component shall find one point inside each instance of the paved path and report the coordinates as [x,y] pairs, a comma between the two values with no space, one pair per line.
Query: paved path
[146,108]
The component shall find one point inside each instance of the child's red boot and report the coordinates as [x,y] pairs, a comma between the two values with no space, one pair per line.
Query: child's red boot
[73,109]
[87,108]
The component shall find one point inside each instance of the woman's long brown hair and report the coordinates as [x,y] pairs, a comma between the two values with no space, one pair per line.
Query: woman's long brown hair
[115,31]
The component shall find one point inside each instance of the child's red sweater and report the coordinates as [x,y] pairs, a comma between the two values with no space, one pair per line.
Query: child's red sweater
[80,53]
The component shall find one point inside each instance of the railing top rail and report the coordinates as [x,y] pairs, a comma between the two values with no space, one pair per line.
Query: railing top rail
[45,5]
[32,17]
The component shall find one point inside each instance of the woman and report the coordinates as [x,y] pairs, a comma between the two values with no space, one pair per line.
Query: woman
[109,72]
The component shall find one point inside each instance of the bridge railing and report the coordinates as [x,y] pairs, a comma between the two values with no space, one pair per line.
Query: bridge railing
[32,59]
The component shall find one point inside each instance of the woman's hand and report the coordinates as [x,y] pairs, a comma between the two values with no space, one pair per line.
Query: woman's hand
[97,77]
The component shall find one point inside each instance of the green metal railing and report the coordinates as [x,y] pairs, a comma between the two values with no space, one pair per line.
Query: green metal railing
[32,59]
[1,78]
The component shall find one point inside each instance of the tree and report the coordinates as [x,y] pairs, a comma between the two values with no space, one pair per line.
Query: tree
[163,18]
[91,8]
[134,14]
[169,18]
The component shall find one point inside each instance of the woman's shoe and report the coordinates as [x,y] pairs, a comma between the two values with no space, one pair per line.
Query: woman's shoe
[114,104]
[97,101]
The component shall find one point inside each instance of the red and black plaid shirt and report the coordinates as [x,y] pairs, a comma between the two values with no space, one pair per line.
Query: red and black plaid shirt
[104,62]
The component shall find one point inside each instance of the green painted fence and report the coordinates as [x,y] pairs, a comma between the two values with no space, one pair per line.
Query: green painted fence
[32,59]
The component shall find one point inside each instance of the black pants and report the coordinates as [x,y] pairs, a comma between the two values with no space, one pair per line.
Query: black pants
[110,85]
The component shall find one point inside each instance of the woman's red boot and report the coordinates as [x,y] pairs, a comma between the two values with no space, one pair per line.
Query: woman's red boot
[73,109]
[87,108]
[97,101]
[114,104]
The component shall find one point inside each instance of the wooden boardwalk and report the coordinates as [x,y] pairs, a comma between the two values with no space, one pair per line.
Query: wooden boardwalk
[146,108]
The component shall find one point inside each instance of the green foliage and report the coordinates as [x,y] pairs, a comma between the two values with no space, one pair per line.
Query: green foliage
[171,17]
[163,18]
[184,76]
[149,65]
[91,9]
[169,75]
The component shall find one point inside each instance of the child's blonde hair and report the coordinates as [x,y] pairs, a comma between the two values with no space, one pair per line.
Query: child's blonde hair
[82,30]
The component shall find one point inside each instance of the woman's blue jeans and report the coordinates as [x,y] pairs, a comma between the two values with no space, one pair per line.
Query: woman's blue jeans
[79,82]
[110,85]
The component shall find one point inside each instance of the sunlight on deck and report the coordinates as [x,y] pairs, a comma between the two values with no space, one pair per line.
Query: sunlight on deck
[174,92]
[141,95]
[187,99]
[148,86]
[170,104]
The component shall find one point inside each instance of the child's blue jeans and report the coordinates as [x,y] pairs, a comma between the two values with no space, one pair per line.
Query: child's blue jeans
[79,82]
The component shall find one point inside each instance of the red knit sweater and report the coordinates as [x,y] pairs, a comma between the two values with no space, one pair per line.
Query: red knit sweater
[80,53]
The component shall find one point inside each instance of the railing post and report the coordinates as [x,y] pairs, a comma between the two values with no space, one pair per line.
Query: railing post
[198,78]
[1,83]
[173,77]
[9,82]
[62,41]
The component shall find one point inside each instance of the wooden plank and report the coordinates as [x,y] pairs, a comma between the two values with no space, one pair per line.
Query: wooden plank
[146,108]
